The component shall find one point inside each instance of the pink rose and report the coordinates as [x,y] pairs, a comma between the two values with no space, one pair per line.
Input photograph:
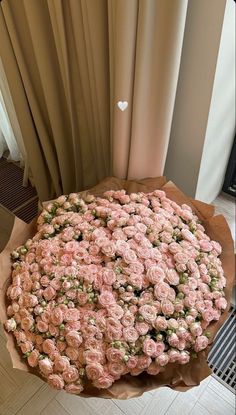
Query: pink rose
[27,346]
[174,248]
[173,340]
[221,303]
[149,347]
[173,355]
[15,307]
[189,236]
[205,245]
[189,301]
[121,246]
[127,319]
[208,315]
[104,382]
[167,307]
[181,267]
[73,339]
[45,316]
[109,276]
[93,250]
[115,355]
[44,281]
[11,325]
[15,292]
[181,258]
[55,353]
[42,326]
[132,362]
[116,369]
[108,248]
[130,334]
[70,375]
[48,346]
[135,280]
[61,199]
[145,297]
[119,235]
[61,363]
[94,371]
[196,329]
[153,369]
[193,312]
[72,326]
[129,256]
[172,277]
[148,312]
[46,366]
[160,347]
[38,340]
[54,331]
[142,328]
[113,334]
[144,252]
[115,311]
[155,274]
[33,358]
[183,358]
[56,381]
[143,362]
[49,293]
[216,246]
[71,314]
[162,359]
[73,388]
[141,227]
[130,231]
[93,356]
[173,324]
[106,299]
[30,300]
[71,352]
[136,267]
[160,323]
[82,297]
[55,283]
[201,343]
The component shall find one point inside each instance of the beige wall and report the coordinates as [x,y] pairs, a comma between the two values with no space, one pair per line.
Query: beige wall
[221,122]
[194,92]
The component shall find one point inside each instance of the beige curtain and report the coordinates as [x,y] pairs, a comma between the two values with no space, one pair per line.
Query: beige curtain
[68,63]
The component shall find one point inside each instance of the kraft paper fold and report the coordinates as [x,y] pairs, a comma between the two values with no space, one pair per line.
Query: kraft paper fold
[177,377]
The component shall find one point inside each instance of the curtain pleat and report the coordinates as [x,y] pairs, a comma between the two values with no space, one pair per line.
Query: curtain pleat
[158,52]
[72,61]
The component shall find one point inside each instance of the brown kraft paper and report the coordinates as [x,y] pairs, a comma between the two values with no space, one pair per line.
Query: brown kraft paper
[177,377]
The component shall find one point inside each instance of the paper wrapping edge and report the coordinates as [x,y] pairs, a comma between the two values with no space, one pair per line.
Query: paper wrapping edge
[177,377]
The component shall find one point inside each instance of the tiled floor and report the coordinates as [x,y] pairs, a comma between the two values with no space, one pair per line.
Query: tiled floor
[25,394]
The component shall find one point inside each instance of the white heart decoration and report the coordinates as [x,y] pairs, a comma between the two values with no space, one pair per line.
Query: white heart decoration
[122,105]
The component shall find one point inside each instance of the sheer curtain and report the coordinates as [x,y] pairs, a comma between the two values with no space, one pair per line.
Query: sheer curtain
[7,139]
[11,139]
[7,136]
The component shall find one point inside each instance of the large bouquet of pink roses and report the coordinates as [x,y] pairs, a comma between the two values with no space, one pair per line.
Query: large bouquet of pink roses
[114,285]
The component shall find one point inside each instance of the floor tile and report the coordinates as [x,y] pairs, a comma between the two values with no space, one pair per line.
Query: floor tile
[222,391]
[199,410]
[215,404]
